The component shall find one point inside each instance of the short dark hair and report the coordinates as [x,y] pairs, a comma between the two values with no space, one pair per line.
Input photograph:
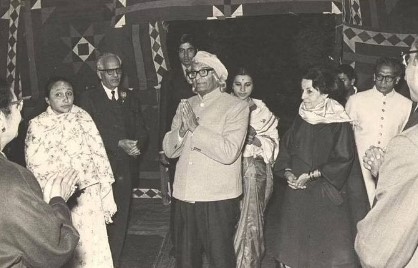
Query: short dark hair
[347,70]
[391,62]
[187,38]
[323,79]
[5,96]
[52,81]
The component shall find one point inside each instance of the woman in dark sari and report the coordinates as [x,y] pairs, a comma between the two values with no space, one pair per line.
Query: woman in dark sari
[325,195]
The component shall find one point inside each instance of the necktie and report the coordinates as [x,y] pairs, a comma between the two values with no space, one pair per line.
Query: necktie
[113,95]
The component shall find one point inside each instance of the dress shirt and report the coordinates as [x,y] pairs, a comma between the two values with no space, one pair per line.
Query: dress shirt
[109,92]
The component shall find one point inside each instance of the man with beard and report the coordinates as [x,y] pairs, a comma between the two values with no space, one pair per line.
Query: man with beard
[388,235]
[117,114]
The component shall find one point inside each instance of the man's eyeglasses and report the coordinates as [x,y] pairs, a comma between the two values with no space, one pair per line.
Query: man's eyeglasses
[406,56]
[387,78]
[111,71]
[202,72]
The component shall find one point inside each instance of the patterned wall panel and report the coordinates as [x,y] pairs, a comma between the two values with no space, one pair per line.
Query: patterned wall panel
[13,16]
[363,47]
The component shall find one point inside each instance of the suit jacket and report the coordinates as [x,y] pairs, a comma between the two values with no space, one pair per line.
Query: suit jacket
[116,120]
[33,233]
[209,167]
[388,235]
[413,117]
[174,87]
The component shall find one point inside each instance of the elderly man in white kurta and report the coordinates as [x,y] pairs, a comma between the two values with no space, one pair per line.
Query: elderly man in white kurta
[208,134]
[378,114]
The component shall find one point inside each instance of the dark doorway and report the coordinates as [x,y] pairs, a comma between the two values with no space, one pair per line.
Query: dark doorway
[276,49]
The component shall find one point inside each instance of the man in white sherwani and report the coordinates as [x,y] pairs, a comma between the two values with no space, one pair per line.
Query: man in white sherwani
[378,114]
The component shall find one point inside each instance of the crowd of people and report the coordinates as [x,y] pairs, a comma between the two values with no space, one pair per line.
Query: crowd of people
[345,169]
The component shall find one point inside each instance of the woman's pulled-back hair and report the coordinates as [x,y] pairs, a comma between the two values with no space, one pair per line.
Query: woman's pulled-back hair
[325,81]
[52,81]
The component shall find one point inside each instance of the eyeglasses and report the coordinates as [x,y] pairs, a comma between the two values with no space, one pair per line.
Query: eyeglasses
[202,72]
[111,71]
[406,56]
[387,78]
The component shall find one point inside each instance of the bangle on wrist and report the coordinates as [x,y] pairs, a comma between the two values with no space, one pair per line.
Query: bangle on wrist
[313,175]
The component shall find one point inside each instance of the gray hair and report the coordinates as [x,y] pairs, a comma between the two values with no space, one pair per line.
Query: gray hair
[103,57]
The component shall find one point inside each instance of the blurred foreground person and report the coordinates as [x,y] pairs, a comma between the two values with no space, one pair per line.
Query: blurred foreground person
[388,235]
[36,228]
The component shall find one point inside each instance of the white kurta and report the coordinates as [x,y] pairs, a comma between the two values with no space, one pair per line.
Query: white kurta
[377,118]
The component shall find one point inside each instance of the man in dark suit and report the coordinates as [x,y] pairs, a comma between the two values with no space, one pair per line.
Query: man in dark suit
[117,114]
[175,84]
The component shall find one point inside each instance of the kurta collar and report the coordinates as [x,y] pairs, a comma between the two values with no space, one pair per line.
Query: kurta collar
[51,112]
[389,95]
[211,95]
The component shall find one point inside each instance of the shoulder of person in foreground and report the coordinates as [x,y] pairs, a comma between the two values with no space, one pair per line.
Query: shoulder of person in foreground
[387,236]
[41,234]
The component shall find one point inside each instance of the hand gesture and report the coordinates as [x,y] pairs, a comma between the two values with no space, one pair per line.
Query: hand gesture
[302,180]
[130,147]
[62,184]
[373,159]
[164,159]
[291,179]
[250,135]
[188,117]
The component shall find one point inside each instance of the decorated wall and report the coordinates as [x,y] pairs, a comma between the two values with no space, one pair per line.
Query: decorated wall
[42,38]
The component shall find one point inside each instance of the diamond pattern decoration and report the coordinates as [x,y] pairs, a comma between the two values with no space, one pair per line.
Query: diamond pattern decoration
[394,40]
[355,35]
[37,5]
[355,12]
[364,36]
[349,33]
[336,8]
[226,11]
[121,21]
[146,193]
[83,49]
[379,38]
[13,16]
[157,53]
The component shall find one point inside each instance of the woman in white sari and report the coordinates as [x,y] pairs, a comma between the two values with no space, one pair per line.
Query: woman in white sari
[260,151]
[65,136]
